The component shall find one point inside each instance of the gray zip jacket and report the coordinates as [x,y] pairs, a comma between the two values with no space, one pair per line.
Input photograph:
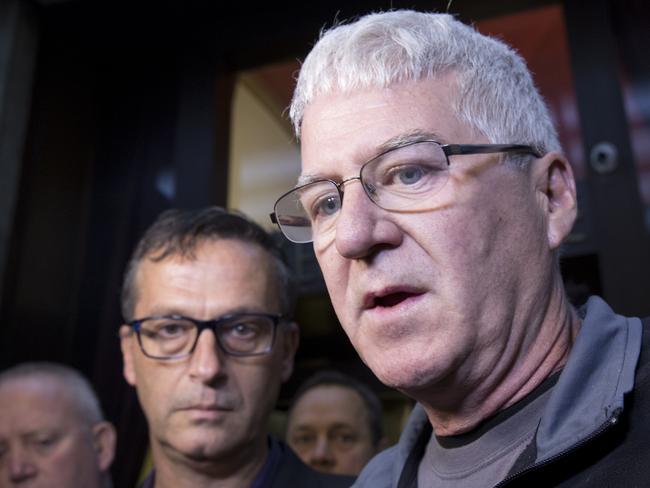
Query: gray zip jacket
[595,428]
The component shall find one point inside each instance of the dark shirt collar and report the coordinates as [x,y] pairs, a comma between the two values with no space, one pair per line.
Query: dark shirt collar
[264,476]
[450,442]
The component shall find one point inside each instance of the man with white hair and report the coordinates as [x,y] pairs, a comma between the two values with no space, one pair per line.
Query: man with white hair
[52,430]
[436,195]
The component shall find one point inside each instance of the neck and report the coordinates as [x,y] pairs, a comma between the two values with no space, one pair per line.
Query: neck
[238,470]
[512,375]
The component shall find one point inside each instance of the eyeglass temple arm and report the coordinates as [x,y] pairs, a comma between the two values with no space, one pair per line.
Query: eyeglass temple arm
[453,149]
[290,220]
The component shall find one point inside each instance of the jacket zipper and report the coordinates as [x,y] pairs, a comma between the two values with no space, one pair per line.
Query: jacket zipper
[609,423]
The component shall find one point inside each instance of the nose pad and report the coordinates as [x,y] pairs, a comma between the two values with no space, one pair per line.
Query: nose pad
[359,195]
[371,191]
[341,186]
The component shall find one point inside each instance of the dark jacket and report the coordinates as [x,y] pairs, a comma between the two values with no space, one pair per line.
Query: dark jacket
[595,429]
[292,472]
[286,470]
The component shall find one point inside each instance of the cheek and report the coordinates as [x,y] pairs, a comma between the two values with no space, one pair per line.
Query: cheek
[67,463]
[464,243]
[335,271]
[156,391]
[327,259]
[258,384]
[355,459]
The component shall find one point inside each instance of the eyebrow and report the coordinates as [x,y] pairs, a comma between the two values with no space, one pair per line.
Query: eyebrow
[42,431]
[303,428]
[410,137]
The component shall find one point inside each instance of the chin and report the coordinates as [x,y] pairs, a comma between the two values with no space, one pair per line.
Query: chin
[202,455]
[200,452]
[201,446]
[409,372]
[400,380]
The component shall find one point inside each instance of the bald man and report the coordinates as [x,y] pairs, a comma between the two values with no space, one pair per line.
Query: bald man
[52,430]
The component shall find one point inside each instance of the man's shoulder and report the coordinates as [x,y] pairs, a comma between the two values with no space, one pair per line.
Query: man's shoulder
[380,471]
[645,324]
[293,472]
[643,373]
[400,461]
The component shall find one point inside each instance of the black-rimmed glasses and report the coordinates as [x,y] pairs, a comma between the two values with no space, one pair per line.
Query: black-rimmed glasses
[175,336]
[400,179]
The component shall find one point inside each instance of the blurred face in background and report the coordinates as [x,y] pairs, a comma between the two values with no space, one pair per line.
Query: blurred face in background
[329,429]
[44,439]
[209,406]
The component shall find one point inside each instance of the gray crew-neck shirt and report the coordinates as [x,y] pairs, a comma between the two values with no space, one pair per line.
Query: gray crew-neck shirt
[485,456]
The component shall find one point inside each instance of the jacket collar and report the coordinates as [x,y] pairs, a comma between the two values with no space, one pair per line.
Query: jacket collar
[589,392]
[592,386]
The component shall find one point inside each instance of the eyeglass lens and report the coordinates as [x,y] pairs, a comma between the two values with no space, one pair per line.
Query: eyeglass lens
[175,337]
[400,179]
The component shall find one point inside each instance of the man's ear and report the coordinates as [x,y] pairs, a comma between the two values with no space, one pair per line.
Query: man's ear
[290,342]
[126,344]
[104,439]
[556,188]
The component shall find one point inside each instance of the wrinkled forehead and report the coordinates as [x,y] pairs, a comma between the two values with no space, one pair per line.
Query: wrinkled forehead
[218,270]
[343,130]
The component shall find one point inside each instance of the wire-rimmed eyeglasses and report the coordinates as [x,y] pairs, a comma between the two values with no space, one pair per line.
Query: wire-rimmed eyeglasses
[175,336]
[400,179]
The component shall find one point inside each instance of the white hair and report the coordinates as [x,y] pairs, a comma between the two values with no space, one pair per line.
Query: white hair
[81,392]
[495,92]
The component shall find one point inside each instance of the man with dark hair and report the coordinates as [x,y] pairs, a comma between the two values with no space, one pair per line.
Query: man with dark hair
[437,198]
[207,342]
[335,423]
[52,429]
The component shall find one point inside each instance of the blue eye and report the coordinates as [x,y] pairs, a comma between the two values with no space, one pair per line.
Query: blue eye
[409,175]
[329,205]
[320,200]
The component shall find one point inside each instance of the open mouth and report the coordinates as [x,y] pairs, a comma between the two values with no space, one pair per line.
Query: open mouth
[391,299]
